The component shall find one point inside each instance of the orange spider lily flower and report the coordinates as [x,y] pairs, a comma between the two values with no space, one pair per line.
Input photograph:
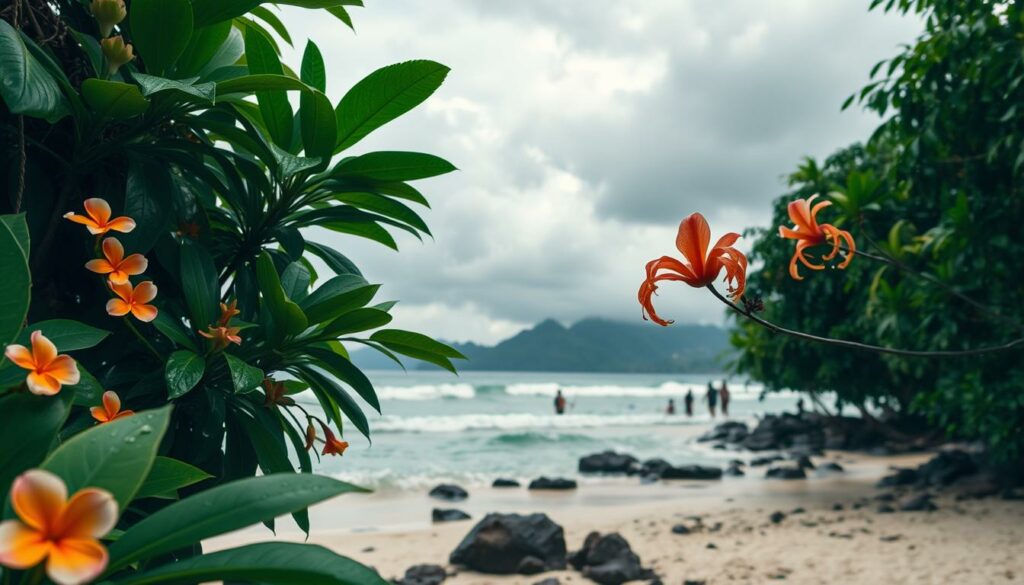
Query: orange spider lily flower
[133,300]
[310,436]
[111,409]
[808,232]
[115,264]
[227,311]
[65,533]
[699,267]
[98,221]
[332,445]
[275,393]
[222,336]
[47,370]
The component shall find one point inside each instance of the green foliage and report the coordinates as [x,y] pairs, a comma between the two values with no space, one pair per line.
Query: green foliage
[936,189]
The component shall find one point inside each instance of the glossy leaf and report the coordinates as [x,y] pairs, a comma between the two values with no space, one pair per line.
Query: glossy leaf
[348,405]
[148,198]
[244,377]
[184,369]
[347,372]
[199,284]
[161,30]
[66,334]
[30,428]
[202,50]
[113,99]
[262,82]
[277,112]
[167,476]
[25,86]
[319,132]
[337,296]
[183,92]
[17,282]
[335,260]
[393,166]
[287,315]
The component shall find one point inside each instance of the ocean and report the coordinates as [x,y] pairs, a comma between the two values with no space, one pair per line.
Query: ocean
[475,427]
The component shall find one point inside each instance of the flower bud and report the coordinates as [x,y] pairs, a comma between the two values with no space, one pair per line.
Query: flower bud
[310,436]
[116,52]
[107,14]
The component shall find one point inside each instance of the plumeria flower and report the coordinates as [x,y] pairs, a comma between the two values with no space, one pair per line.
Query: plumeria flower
[108,13]
[111,409]
[64,533]
[699,267]
[97,219]
[808,233]
[227,311]
[222,336]
[47,370]
[276,393]
[133,300]
[117,53]
[115,264]
[332,445]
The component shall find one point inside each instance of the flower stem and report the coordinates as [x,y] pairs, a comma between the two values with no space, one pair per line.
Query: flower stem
[863,346]
[145,342]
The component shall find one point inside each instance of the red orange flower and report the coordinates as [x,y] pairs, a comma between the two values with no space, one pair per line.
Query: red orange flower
[227,311]
[133,300]
[699,267]
[222,336]
[47,370]
[115,264]
[275,392]
[332,445]
[65,533]
[111,409]
[97,219]
[808,232]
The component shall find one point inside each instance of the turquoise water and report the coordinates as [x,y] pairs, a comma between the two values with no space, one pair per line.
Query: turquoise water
[481,425]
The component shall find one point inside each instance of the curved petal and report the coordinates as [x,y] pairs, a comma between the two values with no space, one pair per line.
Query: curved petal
[121,224]
[800,213]
[118,308]
[98,209]
[99,266]
[64,369]
[803,259]
[99,414]
[671,264]
[832,233]
[86,221]
[21,547]
[134,264]
[123,414]
[818,207]
[794,270]
[21,356]
[118,277]
[42,384]
[91,513]
[852,248]
[787,233]
[122,290]
[111,403]
[38,498]
[43,350]
[113,250]
[692,241]
[74,561]
[726,241]
[144,313]
[144,292]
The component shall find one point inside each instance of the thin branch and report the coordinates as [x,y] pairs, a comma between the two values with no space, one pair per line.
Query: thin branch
[863,346]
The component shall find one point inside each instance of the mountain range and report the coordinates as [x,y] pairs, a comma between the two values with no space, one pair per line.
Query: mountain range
[590,345]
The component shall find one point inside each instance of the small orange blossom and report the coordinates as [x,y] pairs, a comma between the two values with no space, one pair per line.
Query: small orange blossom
[97,219]
[115,264]
[133,300]
[47,370]
[808,232]
[111,409]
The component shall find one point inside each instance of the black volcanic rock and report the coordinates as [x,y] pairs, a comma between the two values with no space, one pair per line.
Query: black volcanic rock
[552,483]
[698,472]
[786,472]
[423,575]
[608,462]
[500,543]
[609,560]
[448,515]
[449,492]
[502,482]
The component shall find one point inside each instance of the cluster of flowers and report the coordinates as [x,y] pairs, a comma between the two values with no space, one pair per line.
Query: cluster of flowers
[700,266]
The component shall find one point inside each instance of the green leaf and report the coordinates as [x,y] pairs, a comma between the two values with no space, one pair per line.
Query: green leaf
[174,330]
[313,71]
[66,334]
[161,30]
[287,315]
[220,510]
[337,296]
[113,99]
[274,22]
[339,396]
[207,12]
[386,207]
[244,377]
[17,282]
[341,14]
[261,82]
[347,372]
[356,321]
[183,92]
[149,193]
[25,86]
[88,391]
[114,456]
[183,371]
[30,427]
[393,166]
[277,563]
[417,340]
[199,283]
[274,107]
[335,260]
[169,475]
[319,132]
[203,49]
[383,96]
[295,281]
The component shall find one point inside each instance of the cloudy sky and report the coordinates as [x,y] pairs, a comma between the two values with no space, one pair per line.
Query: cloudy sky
[584,130]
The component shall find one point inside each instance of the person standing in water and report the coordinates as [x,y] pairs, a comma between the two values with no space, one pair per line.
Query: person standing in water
[712,399]
[559,402]
[671,408]
[688,400]
[725,396]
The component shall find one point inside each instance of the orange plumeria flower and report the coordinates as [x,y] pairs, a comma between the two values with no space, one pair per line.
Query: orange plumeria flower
[700,266]
[310,436]
[133,300]
[332,445]
[111,409]
[808,232]
[65,533]
[222,336]
[275,393]
[47,370]
[227,311]
[98,221]
[115,264]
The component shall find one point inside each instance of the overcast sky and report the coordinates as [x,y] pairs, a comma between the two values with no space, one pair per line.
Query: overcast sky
[584,130]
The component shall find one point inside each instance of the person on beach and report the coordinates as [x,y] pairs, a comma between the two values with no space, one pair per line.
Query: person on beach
[725,396]
[712,399]
[688,400]
[671,408]
[800,406]
[559,402]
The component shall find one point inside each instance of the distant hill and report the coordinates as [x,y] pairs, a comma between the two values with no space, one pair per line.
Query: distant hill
[590,345]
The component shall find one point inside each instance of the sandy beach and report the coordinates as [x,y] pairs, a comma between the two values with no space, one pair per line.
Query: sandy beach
[839,537]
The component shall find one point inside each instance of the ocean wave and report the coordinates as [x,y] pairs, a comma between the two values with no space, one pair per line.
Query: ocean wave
[426,392]
[524,421]
[534,437]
